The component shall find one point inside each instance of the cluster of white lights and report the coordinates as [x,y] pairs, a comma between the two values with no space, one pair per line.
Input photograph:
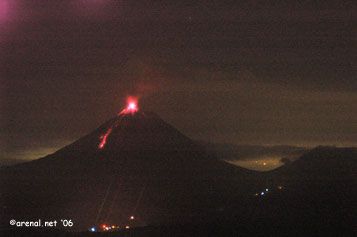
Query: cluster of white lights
[266,191]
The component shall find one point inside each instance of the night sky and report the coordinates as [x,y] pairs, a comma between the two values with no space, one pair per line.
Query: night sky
[243,72]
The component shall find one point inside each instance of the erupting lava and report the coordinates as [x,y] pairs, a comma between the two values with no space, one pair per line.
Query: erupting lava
[131,108]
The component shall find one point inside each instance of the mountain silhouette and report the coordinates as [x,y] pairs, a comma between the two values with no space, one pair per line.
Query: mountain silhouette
[133,165]
[323,162]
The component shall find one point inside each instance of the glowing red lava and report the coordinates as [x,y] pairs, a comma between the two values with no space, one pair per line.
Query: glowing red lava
[132,106]
[103,139]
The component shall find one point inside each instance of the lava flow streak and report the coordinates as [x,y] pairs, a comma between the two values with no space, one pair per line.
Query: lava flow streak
[131,108]
[103,139]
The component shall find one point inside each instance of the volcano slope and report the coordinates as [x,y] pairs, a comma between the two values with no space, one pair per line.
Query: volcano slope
[134,164]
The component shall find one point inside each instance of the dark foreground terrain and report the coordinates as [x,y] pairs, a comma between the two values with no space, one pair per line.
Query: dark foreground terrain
[209,229]
[313,196]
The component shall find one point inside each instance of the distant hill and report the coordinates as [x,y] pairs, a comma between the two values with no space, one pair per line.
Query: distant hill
[324,162]
[319,188]
[254,157]
[10,162]
[228,151]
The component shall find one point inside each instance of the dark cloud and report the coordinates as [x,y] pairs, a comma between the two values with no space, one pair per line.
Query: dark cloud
[246,71]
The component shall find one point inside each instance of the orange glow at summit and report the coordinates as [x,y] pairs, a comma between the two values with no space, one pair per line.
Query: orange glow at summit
[131,106]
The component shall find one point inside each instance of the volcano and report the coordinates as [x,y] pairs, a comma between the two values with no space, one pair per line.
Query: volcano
[133,170]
